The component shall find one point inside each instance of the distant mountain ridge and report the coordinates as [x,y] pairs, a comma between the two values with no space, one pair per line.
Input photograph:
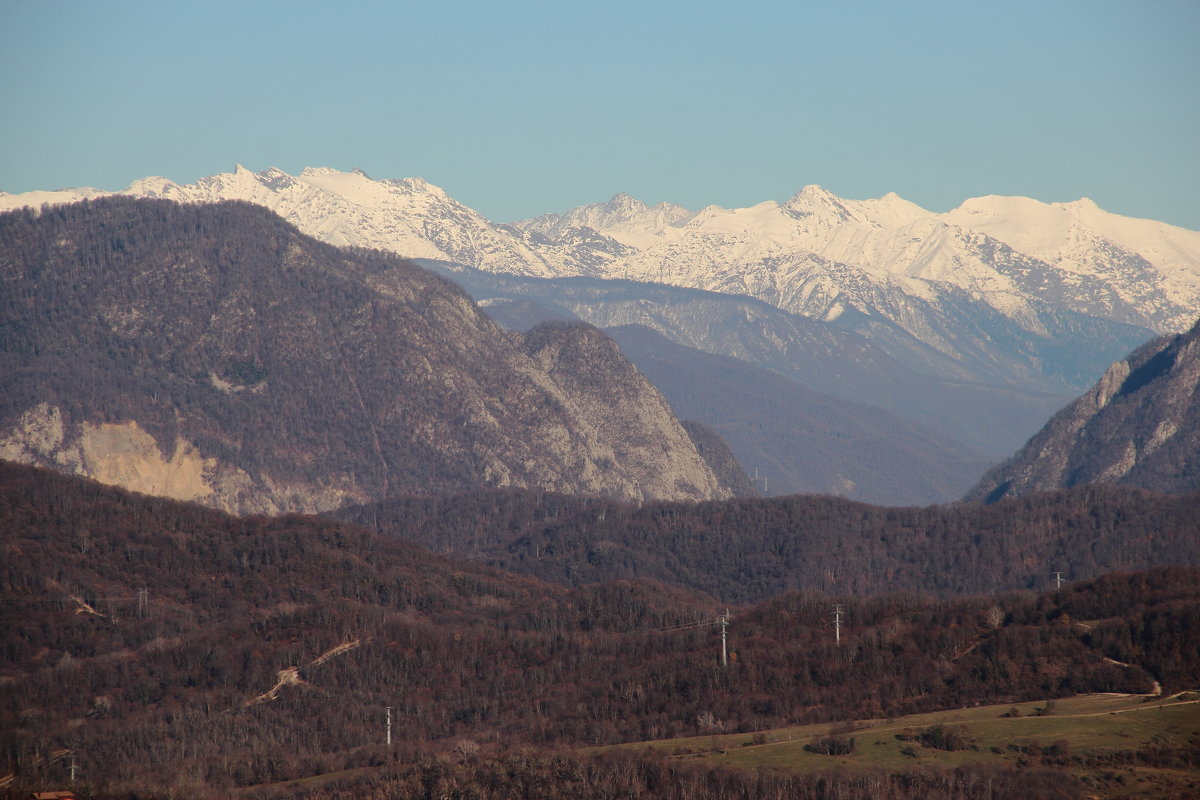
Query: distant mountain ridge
[988,316]
[1002,250]
[951,281]
[1139,426]
[214,353]
[908,379]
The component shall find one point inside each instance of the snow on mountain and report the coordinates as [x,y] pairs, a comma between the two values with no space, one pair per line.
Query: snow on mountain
[1134,271]
[1149,265]
[817,254]
[409,216]
[38,198]
[624,218]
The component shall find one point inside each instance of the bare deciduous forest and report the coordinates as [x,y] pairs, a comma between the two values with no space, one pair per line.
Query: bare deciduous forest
[177,651]
[744,551]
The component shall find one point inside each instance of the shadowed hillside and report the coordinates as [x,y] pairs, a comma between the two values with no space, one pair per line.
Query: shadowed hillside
[1138,426]
[214,353]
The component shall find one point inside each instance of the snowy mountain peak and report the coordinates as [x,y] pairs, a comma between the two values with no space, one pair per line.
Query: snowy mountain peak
[153,186]
[815,204]
[806,255]
[421,186]
[813,194]
[625,205]
[1085,204]
[275,179]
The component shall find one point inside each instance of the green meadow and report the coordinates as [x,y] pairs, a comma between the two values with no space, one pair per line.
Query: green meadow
[1119,745]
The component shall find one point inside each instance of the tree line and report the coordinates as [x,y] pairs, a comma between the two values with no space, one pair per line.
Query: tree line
[747,550]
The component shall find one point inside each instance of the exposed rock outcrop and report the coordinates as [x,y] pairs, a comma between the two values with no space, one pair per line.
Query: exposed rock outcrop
[1138,426]
[213,353]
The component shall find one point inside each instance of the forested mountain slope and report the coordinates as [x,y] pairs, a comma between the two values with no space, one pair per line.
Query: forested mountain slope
[175,649]
[744,551]
[214,353]
[1138,426]
[1002,301]
[962,400]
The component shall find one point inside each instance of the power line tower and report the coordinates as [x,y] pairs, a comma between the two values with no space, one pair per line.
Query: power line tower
[837,622]
[1058,581]
[72,767]
[724,620]
[143,603]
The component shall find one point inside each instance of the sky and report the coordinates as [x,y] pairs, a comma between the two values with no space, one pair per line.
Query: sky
[523,107]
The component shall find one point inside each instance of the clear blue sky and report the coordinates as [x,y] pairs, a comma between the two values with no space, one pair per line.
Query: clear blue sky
[519,108]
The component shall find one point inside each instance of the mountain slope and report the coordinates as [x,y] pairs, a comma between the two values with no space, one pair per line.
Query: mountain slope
[1138,426]
[885,261]
[180,652]
[821,254]
[410,217]
[744,551]
[1149,260]
[214,353]
[919,385]
[799,441]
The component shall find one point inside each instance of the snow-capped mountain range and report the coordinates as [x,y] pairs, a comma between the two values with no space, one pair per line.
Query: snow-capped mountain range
[946,279]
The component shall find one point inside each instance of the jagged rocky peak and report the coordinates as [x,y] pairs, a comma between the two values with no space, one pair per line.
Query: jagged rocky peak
[614,396]
[417,185]
[152,186]
[275,179]
[1138,426]
[624,205]
[813,204]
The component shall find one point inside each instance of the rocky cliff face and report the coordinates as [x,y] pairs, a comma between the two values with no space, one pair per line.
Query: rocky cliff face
[1138,426]
[213,353]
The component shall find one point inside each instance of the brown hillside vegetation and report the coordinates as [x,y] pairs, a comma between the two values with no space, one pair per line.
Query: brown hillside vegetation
[744,551]
[266,650]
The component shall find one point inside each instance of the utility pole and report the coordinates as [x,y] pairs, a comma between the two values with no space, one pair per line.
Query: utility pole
[1058,580]
[143,603]
[71,768]
[724,620]
[389,725]
[837,622]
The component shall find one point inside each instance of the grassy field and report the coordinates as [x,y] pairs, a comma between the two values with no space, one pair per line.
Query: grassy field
[1069,732]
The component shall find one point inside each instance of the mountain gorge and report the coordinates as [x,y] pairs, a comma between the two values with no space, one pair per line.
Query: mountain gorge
[214,353]
[918,385]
